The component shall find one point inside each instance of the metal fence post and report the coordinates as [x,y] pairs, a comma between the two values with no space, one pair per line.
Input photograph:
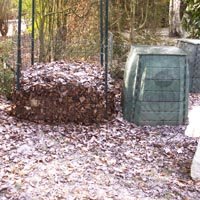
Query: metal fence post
[106,54]
[101,34]
[33,33]
[19,60]
[104,45]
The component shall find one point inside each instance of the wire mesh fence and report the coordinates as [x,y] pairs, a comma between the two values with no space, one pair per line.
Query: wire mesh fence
[79,49]
[72,34]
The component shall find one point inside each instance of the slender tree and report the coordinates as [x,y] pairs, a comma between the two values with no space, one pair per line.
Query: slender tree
[4,14]
[175,29]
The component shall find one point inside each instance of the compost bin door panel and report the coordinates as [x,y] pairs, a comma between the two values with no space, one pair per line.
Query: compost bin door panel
[159,106]
[157,123]
[160,96]
[161,78]
[169,61]
[158,117]
[175,85]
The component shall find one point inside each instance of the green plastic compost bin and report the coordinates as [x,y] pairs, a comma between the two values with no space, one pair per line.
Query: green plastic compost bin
[192,48]
[155,90]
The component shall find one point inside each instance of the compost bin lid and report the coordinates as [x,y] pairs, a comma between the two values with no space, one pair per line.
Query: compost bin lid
[157,50]
[192,41]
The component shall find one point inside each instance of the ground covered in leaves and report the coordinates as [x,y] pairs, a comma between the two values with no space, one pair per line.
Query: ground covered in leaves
[115,160]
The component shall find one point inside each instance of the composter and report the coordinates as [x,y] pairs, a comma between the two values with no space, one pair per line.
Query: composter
[192,48]
[156,84]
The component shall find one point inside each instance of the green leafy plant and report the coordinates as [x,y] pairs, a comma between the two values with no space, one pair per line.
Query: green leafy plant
[191,19]
[6,71]
[6,82]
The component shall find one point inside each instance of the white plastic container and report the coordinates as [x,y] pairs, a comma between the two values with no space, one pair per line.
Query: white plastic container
[195,167]
[193,130]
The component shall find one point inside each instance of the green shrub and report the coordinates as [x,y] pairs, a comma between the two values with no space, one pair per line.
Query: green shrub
[6,71]
[6,81]
[191,19]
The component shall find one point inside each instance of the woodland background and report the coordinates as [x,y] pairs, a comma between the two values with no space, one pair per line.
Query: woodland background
[69,29]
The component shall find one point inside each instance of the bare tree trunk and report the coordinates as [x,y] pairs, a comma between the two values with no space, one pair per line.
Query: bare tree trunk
[175,29]
[4,15]
[52,19]
[132,24]
[3,27]
[42,50]
[61,31]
